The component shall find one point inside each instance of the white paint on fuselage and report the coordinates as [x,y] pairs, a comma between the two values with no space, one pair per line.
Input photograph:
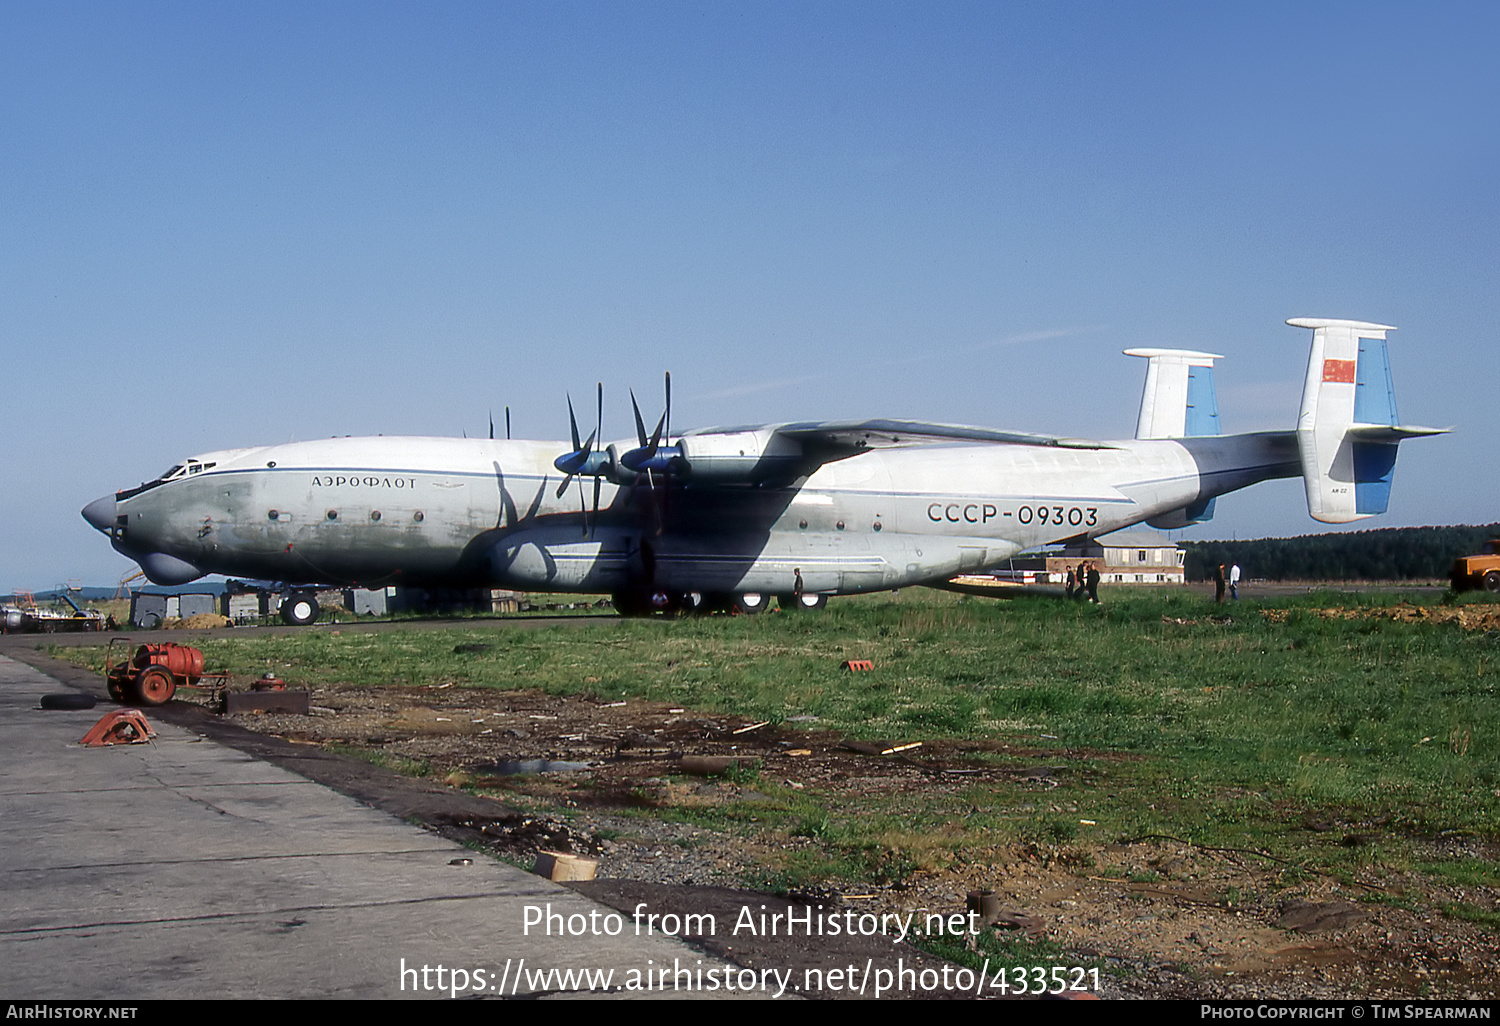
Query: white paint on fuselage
[470,511]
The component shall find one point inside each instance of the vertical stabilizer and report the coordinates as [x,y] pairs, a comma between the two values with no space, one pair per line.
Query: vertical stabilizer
[1348,430]
[1178,400]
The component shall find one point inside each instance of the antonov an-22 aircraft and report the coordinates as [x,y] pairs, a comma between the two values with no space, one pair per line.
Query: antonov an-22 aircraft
[728,517]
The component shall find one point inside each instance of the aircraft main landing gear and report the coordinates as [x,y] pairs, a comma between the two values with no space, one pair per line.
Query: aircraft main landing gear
[299,610]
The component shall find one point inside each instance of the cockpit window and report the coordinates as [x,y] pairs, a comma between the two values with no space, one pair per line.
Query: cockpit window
[186,469]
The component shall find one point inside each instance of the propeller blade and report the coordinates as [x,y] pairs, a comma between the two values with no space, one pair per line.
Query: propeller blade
[655,504]
[573,423]
[667,415]
[507,423]
[640,425]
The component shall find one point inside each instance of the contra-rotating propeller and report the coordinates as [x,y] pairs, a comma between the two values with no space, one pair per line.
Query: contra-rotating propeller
[583,460]
[650,460]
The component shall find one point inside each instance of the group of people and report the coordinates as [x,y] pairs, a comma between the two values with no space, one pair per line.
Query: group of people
[1084,581]
[1232,579]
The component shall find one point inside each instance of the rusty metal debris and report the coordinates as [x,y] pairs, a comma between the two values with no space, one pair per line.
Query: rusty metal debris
[121,727]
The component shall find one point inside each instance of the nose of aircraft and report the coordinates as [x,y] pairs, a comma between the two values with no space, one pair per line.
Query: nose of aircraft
[101,513]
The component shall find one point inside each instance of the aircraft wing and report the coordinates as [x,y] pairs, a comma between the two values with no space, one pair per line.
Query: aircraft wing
[851,436]
[769,452]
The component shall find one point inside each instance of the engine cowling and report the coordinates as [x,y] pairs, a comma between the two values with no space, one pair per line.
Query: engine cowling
[740,457]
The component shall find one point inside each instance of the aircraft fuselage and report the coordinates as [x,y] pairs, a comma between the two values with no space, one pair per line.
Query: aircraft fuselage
[467,512]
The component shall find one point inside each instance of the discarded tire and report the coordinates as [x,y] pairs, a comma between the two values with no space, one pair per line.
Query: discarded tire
[69,700]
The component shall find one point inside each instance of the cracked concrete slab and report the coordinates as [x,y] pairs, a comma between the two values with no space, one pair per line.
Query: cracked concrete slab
[183,868]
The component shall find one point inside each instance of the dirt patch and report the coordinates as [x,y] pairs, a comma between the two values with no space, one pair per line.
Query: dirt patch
[1470,618]
[1165,918]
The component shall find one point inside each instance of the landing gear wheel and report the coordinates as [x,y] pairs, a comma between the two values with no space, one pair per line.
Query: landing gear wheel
[1492,581]
[750,603]
[808,601]
[155,686]
[299,610]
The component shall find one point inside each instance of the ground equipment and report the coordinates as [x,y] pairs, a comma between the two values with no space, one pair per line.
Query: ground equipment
[1481,571]
[152,675]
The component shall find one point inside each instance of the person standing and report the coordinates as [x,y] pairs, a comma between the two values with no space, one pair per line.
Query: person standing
[1093,579]
[1234,582]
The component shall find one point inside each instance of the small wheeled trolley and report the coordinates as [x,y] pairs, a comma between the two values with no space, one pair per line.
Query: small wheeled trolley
[153,673]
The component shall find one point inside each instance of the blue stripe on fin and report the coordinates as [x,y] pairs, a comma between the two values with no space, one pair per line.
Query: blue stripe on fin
[1374,466]
[1374,394]
[1202,403]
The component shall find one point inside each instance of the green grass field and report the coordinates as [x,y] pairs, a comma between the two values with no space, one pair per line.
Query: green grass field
[1214,724]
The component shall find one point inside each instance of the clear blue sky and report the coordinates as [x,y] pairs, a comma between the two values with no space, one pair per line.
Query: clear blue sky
[229,224]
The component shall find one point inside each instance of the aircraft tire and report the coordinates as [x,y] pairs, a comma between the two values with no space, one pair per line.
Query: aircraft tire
[155,686]
[299,610]
[807,602]
[1492,581]
[750,602]
[69,700]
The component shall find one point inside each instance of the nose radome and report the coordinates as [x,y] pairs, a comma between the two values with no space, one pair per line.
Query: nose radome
[101,513]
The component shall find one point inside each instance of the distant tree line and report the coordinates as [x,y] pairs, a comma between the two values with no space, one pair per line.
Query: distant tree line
[1390,554]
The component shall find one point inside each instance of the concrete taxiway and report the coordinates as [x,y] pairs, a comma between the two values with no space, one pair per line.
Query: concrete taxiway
[186,869]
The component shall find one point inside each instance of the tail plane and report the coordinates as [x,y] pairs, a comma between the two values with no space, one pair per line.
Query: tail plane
[1348,429]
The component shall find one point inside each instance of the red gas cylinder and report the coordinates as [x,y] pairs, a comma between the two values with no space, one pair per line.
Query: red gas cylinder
[181,661]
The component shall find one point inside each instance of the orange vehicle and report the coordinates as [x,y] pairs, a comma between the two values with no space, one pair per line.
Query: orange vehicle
[1481,571]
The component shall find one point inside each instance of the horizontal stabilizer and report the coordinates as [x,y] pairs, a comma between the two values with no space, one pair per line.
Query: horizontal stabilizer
[1393,432]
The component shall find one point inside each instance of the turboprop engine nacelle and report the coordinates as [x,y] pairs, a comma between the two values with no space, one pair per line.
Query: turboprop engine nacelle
[740,457]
